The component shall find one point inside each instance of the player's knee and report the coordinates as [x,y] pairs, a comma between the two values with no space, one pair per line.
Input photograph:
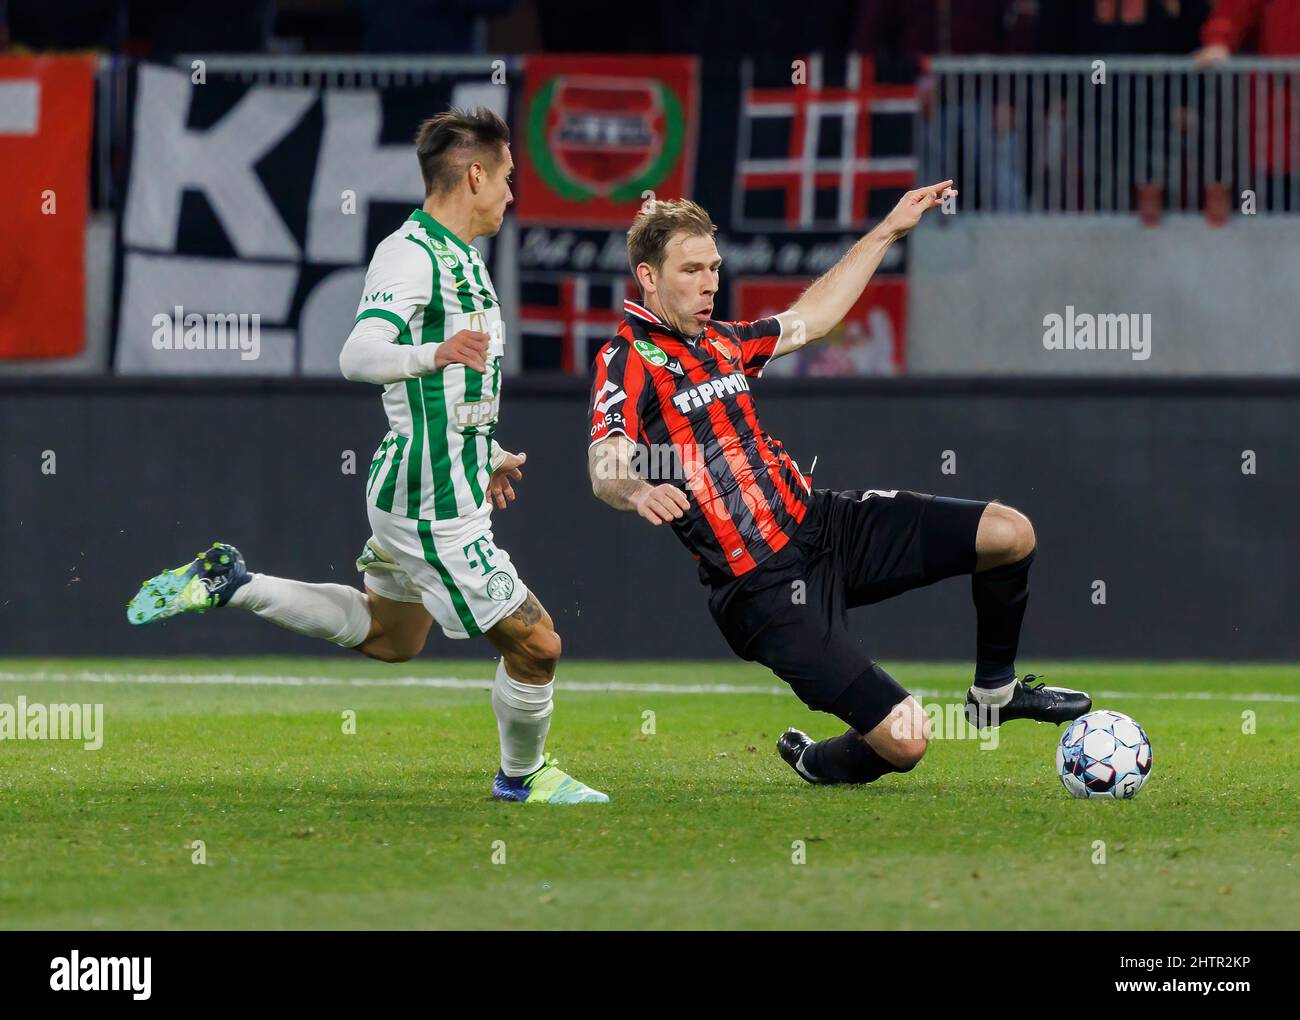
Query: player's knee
[908,736]
[400,646]
[388,651]
[1023,541]
[906,754]
[544,647]
[1006,533]
[536,656]
[406,649]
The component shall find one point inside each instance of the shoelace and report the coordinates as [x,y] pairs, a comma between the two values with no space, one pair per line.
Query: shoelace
[1029,678]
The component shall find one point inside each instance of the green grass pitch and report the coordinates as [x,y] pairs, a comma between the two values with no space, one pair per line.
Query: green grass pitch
[306,826]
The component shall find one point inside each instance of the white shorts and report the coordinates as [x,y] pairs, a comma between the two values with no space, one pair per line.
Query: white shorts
[466,582]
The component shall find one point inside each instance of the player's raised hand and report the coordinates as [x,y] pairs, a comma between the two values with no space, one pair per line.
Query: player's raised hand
[661,504]
[469,347]
[912,206]
[499,489]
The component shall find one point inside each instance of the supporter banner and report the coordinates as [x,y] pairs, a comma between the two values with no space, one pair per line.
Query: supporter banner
[796,159]
[45,127]
[601,132]
[252,210]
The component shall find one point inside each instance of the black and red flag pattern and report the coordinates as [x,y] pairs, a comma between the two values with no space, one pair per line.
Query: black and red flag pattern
[663,390]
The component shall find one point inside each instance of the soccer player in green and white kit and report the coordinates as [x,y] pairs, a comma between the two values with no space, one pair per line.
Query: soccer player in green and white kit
[429,331]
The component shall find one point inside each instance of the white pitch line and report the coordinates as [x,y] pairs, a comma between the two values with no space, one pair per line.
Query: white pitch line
[618,686]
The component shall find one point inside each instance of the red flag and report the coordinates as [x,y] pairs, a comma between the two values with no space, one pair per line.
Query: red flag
[46,105]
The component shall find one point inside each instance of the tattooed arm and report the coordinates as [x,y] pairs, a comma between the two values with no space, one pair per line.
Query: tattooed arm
[609,465]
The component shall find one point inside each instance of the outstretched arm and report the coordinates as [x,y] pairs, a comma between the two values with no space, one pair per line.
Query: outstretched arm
[609,465]
[825,303]
[370,354]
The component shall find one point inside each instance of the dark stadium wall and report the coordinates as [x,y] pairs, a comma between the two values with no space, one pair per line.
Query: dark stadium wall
[1144,487]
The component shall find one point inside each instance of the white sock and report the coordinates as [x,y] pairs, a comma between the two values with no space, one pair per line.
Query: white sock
[523,714]
[998,696]
[334,612]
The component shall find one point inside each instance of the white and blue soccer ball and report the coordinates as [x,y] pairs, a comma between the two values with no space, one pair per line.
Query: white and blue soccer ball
[1104,754]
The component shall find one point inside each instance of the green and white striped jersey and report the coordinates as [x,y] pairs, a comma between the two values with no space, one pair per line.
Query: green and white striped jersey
[433,464]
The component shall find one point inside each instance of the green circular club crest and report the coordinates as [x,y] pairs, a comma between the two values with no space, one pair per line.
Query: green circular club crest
[651,353]
[500,586]
[559,117]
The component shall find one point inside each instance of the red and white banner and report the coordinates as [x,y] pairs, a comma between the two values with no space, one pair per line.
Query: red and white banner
[46,105]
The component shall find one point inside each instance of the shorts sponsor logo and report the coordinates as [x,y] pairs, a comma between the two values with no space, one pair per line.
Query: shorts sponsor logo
[500,586]
[481,555]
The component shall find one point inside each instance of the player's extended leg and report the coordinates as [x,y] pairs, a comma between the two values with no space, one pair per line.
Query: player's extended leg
[375,626]
[1005,545]
[805,641]
[398,630]
[891,542]
[522,702]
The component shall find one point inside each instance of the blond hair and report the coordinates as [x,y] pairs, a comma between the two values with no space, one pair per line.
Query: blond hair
[657,223]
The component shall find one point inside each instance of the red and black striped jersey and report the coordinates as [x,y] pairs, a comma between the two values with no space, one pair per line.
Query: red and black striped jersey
[686,402]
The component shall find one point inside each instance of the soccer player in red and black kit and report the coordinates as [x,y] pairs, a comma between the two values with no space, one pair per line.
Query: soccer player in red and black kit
[675,380]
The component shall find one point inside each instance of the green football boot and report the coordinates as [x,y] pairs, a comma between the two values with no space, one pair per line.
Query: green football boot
[548,785]
[205,583]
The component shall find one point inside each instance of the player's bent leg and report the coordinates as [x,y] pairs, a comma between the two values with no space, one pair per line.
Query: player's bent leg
[1005,536]
[902,737]
[522,702]
[529,646]
[888,732]
[1005,546]
[398,630]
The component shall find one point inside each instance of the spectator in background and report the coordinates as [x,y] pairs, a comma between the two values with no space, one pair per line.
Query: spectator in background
[429,26]
[67,25]
[1086,27]
[1270,28]
[737,28]
[200,26]
[1267,27]
[899,34]
[903,31]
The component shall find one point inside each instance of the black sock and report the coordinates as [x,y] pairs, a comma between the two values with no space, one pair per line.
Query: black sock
[1000,595]
[845,759]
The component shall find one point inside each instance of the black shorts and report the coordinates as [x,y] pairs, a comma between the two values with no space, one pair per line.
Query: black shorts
[852,549]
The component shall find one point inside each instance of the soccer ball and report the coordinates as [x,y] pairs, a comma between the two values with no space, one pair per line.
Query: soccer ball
[1104,754]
